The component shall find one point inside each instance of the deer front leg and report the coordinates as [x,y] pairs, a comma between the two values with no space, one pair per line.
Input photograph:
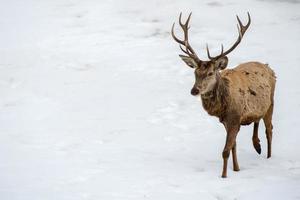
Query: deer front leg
[229,145]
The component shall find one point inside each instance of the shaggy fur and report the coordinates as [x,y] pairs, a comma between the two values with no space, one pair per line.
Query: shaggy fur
[241,96]
[246,90]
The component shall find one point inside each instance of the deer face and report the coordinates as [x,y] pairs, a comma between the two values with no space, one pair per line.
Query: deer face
[206,73]
[205,78]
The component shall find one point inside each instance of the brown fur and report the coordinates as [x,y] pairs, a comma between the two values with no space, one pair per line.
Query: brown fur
[241,96]
[246,90]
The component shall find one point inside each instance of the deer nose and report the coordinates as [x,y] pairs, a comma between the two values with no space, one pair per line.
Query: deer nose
[194,91]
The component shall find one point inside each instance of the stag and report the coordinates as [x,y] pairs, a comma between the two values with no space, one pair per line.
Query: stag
[237,96]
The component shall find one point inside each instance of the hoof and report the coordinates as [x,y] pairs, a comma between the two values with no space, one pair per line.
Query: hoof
[257,148]
[236,169]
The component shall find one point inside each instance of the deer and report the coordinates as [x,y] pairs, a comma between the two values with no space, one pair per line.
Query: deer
[239,96]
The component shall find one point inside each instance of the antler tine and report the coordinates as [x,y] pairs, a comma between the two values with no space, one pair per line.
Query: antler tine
[185,25]
[243,28]
[175,38]
[239,21]
[241,31]
[180,23]
[188,20]
[222,49]
[183,50]
[207,51]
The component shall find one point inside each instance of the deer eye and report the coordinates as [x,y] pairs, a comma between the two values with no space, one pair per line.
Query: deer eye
[210,74]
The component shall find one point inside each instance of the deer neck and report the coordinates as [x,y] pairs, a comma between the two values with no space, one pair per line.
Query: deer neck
[215,101]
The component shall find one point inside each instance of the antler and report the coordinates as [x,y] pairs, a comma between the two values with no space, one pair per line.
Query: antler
[242,30]
[188,49]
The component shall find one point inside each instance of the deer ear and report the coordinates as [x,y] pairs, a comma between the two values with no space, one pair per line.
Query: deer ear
[221,63]
[189,61]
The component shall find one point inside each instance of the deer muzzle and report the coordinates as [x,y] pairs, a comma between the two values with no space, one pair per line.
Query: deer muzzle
[195,91]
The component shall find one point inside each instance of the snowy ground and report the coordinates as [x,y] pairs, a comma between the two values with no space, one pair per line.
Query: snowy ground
[95,101]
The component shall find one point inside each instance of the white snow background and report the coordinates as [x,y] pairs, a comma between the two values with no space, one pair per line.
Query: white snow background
[95,102]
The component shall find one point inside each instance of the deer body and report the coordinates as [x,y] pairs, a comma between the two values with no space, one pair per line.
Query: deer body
[237,96]
[249,91]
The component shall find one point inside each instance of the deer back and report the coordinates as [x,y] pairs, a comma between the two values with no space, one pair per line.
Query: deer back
[251,89]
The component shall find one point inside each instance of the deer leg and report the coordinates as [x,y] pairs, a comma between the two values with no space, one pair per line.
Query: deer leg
[268,124]
[255,139]
[230,141]
[225,160]
[234,159]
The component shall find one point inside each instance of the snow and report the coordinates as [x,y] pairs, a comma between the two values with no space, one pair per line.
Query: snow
[95,101]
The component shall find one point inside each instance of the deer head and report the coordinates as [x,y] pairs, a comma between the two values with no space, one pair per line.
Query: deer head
[206,72]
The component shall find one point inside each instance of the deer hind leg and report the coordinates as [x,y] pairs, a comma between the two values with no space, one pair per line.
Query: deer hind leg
[268,124]
[255,139]
[234,159]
